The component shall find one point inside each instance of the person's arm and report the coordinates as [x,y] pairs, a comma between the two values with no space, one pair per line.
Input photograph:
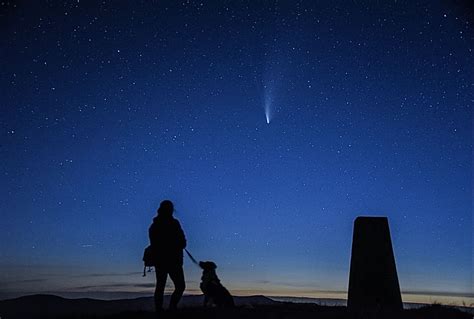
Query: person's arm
[151,235]
[181,237]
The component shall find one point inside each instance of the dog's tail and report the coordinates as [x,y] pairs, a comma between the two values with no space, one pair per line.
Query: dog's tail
[191,256]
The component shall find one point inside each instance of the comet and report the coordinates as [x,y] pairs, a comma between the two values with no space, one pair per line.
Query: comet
[268,103]
[267,111]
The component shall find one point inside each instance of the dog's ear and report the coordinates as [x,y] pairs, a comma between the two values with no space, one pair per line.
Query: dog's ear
[207,265]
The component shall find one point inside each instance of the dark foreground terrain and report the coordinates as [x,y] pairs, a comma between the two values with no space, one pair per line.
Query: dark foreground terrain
[296,311]
[258,307]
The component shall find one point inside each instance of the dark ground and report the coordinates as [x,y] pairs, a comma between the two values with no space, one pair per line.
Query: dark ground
[252,307]
[291,310]
[294,311]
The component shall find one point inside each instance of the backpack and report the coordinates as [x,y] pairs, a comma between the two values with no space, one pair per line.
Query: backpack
[148,259]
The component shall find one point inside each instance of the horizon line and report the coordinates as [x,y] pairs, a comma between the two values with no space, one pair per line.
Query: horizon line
[340,295]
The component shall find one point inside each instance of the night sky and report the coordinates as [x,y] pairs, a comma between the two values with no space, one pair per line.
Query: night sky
[270,124]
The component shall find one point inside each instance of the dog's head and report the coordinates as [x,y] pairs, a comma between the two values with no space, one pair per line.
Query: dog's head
[207,265]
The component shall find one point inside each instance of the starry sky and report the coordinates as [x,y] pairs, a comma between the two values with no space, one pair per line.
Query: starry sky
[270,124]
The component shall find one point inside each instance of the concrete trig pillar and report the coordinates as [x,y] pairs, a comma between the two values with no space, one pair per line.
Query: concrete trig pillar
[373,280]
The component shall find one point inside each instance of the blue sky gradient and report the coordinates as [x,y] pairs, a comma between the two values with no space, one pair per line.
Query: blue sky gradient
[109,108]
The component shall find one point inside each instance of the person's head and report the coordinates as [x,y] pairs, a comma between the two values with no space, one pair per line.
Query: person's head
[166,208]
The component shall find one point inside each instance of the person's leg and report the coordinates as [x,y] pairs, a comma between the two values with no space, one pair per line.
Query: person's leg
[161,276]
[177,276]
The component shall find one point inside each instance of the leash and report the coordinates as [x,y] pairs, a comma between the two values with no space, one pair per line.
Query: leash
[192,258]
[187,252]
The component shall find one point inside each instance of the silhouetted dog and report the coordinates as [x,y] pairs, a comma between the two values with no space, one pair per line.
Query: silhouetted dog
[214,292]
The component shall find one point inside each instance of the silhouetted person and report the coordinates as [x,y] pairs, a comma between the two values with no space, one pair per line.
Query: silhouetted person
[167,241]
